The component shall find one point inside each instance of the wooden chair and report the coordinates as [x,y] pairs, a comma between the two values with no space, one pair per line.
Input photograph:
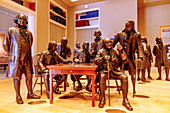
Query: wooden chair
[37,73]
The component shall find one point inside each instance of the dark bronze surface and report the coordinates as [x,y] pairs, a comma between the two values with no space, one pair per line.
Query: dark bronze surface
[17,43]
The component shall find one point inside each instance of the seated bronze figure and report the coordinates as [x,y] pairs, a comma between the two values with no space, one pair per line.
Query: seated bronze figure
[83,56]
[50,57]
[109,56]
[64,51]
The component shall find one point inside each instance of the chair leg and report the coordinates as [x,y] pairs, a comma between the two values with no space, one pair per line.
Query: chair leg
[41,84]
[35,83]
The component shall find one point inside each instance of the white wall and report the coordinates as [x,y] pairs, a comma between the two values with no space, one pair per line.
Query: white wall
[150,20]
[113,13]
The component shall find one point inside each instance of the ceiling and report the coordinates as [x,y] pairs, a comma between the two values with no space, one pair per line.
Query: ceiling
[79,2]
[147,3]
[141,3]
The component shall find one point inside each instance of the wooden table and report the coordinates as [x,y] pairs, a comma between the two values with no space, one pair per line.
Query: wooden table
[88,69]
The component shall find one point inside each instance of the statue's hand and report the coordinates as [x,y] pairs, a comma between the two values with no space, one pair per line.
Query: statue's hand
[45,70]
[119,47]
[77,60]
[107,57]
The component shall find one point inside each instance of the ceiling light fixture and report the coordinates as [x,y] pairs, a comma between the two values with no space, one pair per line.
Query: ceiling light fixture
[74,0]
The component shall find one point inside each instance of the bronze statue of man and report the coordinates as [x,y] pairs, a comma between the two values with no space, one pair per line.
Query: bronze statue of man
[65,52]
[144,64]
[83,56]
[78,48]
[110,56]
[160,51]
[50,57]
[95,47]
[17,44]
[130,40]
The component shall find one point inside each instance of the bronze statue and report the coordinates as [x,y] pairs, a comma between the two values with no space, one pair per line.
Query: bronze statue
[130,40]
[146,62]
[78,47]
[83,56]
[50,57]
[95,47]
[17,44]
[109,56]
[160,51]
[65,52]
[143,64]
[97,44]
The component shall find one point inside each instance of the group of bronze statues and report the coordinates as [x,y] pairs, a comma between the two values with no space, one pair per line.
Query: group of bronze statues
[110,60]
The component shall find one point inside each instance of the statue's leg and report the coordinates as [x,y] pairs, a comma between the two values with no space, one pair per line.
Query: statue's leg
[149,71]
[143,76]
[102,87]
[124,83]
[77,78]
[60,81]
[46,83]
[167,73]
[17,82]
[138,75]
[132,72]
[89,85]
[159,71]
[17,90]
[29,76]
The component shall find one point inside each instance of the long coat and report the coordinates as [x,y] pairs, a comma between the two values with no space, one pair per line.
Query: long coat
[158,58]
[12,45]
[145,62]
[134,45]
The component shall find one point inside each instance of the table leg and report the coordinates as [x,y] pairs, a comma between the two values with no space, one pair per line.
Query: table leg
[93,91]
[51,87]
[65,84]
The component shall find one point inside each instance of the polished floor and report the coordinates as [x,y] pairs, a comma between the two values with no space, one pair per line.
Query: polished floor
[153,97]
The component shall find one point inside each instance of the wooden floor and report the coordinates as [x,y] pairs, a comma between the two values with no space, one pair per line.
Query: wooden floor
[151,97]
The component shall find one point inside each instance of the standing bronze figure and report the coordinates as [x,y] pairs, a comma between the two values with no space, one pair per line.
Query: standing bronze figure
[50,57]
[143,64]
[146,62]
[110,55]
[95,47]
[160,51]
[83,56]
[130,40]
[17,44]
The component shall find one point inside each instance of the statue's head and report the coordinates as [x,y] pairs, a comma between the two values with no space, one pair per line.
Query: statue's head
[78,45]
[107,43]
[86,45]
[52,45]
[97,33]
[158,40]
[130,24]
[21,20]
[64,42]
[143,39]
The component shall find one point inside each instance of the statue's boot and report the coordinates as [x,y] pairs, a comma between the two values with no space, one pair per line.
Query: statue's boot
[89,86]
[30,94]
[77,78]
[127,105]
[17,90]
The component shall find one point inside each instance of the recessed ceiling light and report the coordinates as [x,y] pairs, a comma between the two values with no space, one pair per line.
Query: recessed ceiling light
[74,0]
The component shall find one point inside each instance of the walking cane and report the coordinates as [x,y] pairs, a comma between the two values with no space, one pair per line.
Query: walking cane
[108,81]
